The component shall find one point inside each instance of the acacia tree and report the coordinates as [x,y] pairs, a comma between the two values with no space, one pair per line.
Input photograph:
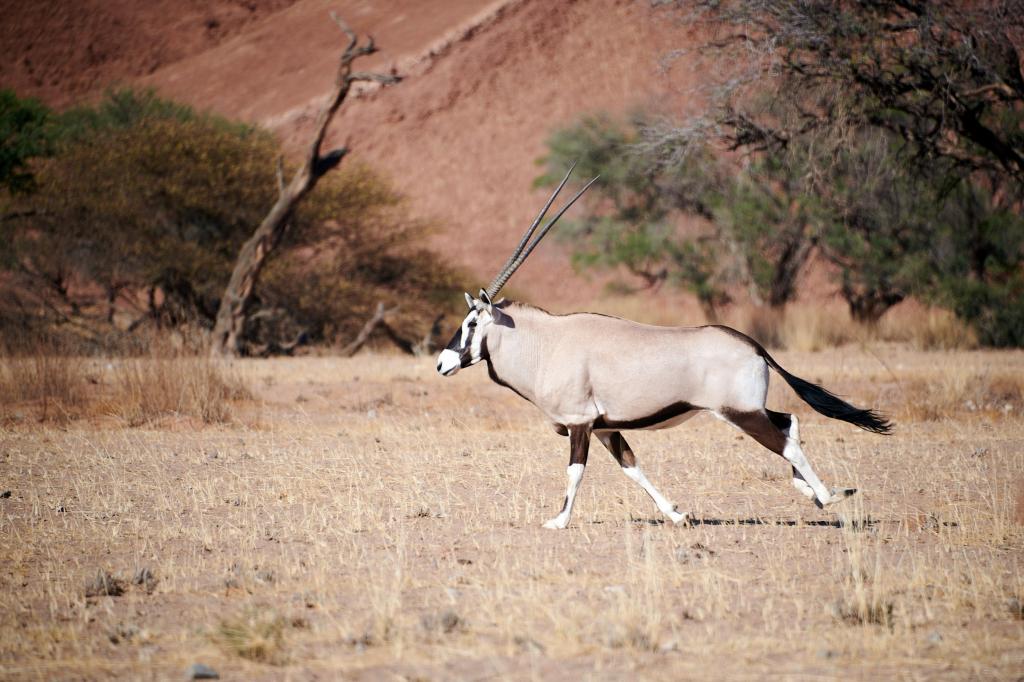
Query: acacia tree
[942,75]
[231,315]
[143,209]
[891,115]
[761,222]
[26,132]
[634,204]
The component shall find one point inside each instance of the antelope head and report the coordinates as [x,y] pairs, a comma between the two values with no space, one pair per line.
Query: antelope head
[468,346]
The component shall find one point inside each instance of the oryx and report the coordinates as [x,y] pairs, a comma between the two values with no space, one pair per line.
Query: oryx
[591,373]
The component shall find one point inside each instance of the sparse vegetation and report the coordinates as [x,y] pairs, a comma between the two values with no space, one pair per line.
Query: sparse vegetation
[147,389]
[358,527]
[50,385]
[256,635]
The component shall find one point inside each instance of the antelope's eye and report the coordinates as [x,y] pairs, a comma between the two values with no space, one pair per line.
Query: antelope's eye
[472,324]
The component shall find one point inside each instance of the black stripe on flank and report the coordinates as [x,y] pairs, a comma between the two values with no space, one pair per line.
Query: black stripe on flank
[663,415]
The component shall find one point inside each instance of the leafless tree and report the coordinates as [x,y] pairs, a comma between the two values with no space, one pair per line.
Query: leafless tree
[231,315]
[940,74]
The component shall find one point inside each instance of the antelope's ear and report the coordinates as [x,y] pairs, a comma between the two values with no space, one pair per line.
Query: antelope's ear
[469,301]
[487,301]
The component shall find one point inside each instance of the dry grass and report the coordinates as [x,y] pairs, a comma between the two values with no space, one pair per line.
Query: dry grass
[812,328]
[391,521]
[256,635]
[963,389]
[149,389]
[53,386]
[49,386]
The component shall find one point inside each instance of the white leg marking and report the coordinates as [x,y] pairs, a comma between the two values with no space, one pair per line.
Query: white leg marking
[801,485]
[664,506]
[575,474]
[804,478]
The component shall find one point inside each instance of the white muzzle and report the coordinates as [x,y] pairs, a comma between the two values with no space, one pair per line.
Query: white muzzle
[448,362]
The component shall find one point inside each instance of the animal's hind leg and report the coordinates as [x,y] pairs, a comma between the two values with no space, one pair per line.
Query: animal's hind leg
[579,439]
[622,453]
[789,425]
[771,430]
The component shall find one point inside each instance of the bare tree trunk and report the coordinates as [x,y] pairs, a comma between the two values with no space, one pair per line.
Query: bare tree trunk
[377,320]
[227,329]
[364,334]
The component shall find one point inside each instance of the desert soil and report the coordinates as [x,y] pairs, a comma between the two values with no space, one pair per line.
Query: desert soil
[366,519]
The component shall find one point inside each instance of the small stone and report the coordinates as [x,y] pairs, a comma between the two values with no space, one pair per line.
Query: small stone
[826,653]
[5,494]
[198,671]
[449,621]
[935,638]
[668,646]
[1015,607]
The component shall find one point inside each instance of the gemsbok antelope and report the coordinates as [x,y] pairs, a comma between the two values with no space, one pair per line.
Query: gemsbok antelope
[601,375]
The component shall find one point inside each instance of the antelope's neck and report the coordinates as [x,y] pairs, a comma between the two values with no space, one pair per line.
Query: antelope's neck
[515,353]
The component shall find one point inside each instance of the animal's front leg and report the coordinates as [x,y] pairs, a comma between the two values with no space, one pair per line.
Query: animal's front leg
[579,438]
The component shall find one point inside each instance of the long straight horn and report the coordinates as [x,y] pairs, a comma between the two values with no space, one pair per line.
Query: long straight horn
[493,288]
[521,255]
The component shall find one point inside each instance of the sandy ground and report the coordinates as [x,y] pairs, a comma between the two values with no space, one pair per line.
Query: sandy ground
[366,519]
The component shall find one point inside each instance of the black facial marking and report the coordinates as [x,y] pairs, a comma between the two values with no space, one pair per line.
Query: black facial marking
[456,343]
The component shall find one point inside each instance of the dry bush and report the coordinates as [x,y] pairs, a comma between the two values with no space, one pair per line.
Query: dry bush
[257,635]
[865,599]
[927,329]
[961,390]
[816,327]
[148,389]
[48,381]
[802,328]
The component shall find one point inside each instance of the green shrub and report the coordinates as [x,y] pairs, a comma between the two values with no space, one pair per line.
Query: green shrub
[145,205]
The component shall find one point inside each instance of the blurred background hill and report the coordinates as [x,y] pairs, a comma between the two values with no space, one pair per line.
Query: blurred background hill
[487,82]
[498,95]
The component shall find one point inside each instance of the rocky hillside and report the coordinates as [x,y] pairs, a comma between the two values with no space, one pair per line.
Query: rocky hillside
[485,84]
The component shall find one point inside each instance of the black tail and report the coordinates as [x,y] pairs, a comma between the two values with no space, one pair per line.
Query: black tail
[830,404]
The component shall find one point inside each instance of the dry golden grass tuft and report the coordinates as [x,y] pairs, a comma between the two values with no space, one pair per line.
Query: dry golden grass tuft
[813,328]
[257,634]
[384,523]
[51,385]
[962,390]
[148,389]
